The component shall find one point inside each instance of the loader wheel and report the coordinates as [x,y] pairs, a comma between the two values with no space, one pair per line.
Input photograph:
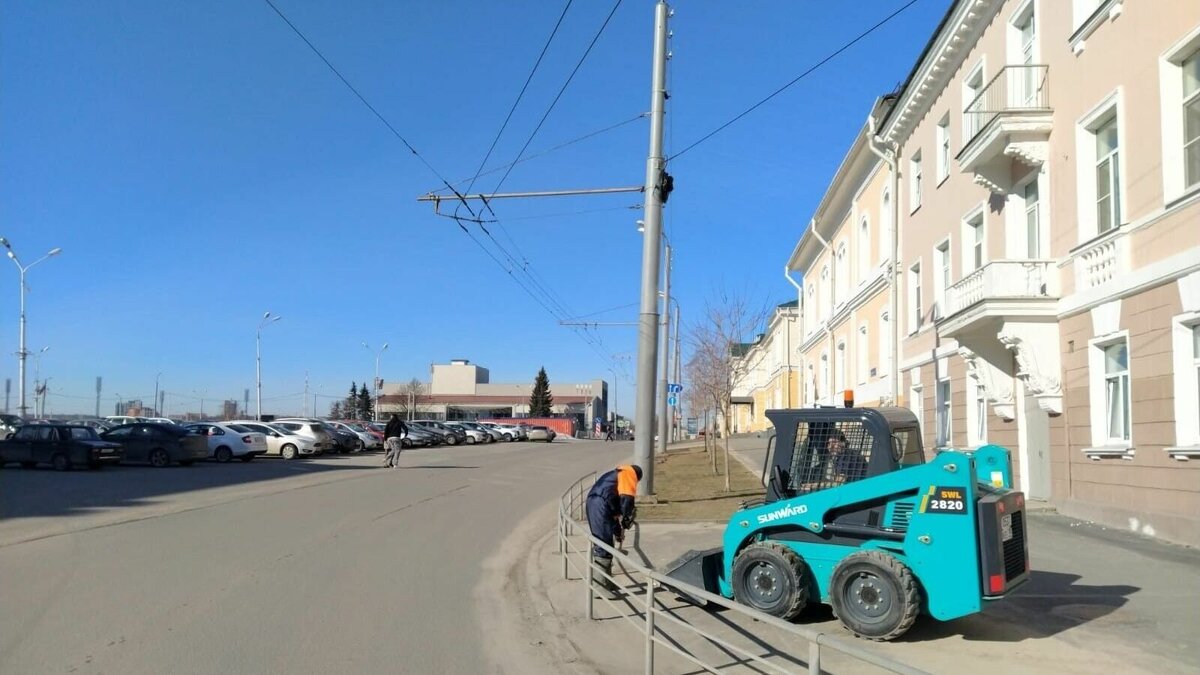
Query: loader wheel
[772,579]
[874,595]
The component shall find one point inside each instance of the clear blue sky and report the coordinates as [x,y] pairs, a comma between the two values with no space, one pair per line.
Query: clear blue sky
[199,166]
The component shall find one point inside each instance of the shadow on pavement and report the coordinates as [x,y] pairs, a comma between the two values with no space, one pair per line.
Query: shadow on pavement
[32,493]
[437,466]
[1049,604]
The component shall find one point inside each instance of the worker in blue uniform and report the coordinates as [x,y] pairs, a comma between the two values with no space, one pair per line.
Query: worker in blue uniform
[611,506]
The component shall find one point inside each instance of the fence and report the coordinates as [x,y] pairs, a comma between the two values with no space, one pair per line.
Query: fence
[571,518]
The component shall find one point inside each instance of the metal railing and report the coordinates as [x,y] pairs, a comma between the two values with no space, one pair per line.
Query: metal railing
[654,619]
[1002,279]
[1015,89]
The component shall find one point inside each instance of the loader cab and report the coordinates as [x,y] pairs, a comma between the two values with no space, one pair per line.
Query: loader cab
[819,448]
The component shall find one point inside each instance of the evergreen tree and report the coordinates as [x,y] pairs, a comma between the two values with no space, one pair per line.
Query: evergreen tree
[541,400]
[350,405]
[335,410]
[365,404]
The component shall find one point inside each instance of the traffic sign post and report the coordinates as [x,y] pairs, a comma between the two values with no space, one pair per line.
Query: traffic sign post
[671,400]
[674,388]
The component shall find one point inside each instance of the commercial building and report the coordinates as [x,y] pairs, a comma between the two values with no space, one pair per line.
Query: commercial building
[461,390]
[1047,202]
[766,371]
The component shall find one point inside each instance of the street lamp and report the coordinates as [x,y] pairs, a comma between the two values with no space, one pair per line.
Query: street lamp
[266,319]
[378,355]
[21,352]
[157,412]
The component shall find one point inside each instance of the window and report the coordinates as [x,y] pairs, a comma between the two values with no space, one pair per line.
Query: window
[810,309]
[1108,176]
[1033,222]
[976,414]
[942,395]
[916,403]
[862,356]
[973,240]
[828,454]
[914,186]
[824,389]
[915,313]
[972,87]
[943,148]
[1116,390]
[885,345]
[843,274]
[941,277]
[864,250]
[1185,336]
[822,298]
[1191,120]
[841,369]
[885,226]
[1026,26]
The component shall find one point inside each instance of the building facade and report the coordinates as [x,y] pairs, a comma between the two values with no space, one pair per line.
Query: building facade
[1046,161]
[767,371]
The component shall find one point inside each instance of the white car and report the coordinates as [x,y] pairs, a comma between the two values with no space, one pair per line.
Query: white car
[280,441]
[473,435]
[118,420]
[313,430]
[226,441]
[511,432]
[367,440]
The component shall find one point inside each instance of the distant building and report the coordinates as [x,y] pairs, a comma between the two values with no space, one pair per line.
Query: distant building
[229,410]
[767,371]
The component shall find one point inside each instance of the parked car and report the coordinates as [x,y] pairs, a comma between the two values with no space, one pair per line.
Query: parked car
[160,420]
[451,436]
[280,441]
[366,440]
[345,440]
[117,420]
[541,434]
[99,425]
[9,425]
[158,444]
[226,441]
[314,431]
[511,432]
[417,437]
[63,446]
[493,435]
[473,435]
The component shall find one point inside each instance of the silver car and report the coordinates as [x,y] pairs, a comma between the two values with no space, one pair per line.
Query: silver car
[282,442]
[542,434]
[314,431]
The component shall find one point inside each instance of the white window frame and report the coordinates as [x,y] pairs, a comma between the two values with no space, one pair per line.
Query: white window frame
[1038,211]
[885,346]
[970,126]
[825,378]
[864,249]
[916,401]
[1102,443]
[886,228]
[976,413]
[944,413]
[1170,78]
[1086,160]
[915,301]
[916,179]
[810,310]
[862,354]
[942,271]
[823,298]
[842,270]
[841,381]
[943,149]
[973,238]
[1186,375]
[1017,54]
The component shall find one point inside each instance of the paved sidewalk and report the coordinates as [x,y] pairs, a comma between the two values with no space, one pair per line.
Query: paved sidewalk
[1099,602]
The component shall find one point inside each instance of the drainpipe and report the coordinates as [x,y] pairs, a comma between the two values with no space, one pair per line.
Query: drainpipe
[888,152]
[812,225]
[787,274]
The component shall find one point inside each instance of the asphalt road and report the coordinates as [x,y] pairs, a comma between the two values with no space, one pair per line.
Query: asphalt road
[329,565]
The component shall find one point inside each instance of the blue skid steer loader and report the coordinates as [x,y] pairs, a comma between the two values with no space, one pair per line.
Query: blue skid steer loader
[855,517]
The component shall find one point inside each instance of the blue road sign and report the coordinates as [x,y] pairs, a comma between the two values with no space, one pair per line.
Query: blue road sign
[671,400]
[674,388]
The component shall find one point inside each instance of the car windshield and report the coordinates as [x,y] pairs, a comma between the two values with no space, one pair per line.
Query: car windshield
[278,429]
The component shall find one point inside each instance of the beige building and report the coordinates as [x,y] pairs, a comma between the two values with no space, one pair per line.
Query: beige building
[1047,161]
[767,371]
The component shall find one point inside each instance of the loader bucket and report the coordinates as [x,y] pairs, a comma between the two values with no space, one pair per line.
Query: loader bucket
[701,569]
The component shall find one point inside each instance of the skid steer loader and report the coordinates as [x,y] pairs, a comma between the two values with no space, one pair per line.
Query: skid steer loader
[855,517]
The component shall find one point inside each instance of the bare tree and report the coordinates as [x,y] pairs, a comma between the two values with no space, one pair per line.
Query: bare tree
[411,395]
[719,362]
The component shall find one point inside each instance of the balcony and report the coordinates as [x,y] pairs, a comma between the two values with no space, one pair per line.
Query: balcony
[1101,260]
[1008,121]
[1002,290]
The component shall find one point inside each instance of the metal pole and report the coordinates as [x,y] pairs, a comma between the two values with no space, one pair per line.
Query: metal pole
[665,358]
[649,626]
[814,657]
[676,431]
[643,448]
[22,408]
[257,376]
[156,404]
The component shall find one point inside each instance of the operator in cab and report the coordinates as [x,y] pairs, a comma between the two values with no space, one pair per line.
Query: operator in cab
[610,511]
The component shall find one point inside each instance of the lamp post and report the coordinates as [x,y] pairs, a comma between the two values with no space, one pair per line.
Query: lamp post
[203,393]
[21,352]
[266,319]
[157,412]
[664,349]
[378,355]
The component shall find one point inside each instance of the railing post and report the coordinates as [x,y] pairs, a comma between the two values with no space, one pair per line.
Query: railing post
[814,657]
[590,575]
[649,626]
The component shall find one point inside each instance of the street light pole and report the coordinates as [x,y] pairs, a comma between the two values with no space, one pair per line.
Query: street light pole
[378,355]
[643,447]
[22,353]
[266,319]
[157,404]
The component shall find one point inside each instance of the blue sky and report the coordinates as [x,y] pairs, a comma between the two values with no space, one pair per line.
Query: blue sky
[199,166]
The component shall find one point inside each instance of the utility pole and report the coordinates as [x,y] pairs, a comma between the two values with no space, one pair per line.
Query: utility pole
[643,446]
[306,394]
[99,382]
[665,358]
[678,378]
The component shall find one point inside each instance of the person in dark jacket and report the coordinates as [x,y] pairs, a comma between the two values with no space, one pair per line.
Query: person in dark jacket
[393,435]
[611,507]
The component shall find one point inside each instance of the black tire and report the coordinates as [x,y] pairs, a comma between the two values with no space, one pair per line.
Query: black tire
[60,462]
[359,446]
[223,455]
[186,462]
[772,579]
[289,452]
[874,595]
[159,458]
[471,440]
[452,440]
[28,465]
[508,438]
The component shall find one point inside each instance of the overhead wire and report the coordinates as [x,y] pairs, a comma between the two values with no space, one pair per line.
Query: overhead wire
[796,79]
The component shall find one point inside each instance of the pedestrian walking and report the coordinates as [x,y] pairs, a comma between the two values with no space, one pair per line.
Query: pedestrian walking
[393,435]
[609,436]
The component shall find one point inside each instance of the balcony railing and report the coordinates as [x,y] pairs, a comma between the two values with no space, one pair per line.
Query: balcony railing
[1103,260]
[1002,279]
[1015,89]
